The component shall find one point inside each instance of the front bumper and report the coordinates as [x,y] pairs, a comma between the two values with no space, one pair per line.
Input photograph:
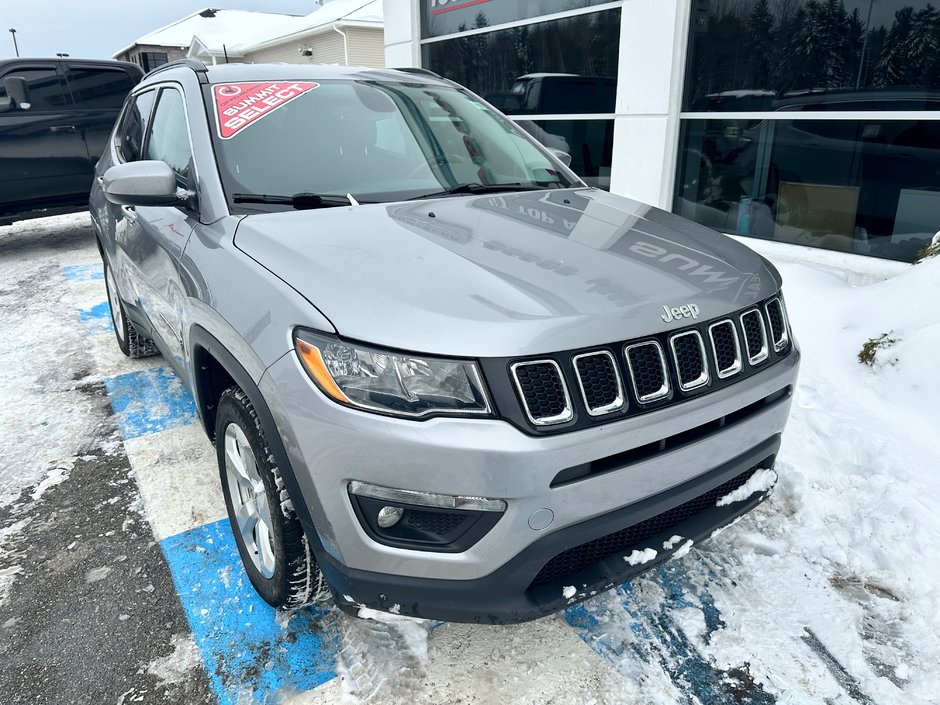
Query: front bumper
[329,446]
[507,595]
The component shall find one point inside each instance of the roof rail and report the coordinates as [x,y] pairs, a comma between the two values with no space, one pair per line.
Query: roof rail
[194,64]
[419,71]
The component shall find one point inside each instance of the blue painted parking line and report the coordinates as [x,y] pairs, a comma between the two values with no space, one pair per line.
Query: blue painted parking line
[83,272]
[149,400]
[239,636]
[97,319]
[658,638]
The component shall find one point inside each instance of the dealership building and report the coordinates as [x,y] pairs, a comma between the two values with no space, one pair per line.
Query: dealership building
[815,122]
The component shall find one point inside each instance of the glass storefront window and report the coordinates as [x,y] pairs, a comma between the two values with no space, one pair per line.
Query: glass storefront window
[499,65]
[867,186]
[440,17]
[771,55]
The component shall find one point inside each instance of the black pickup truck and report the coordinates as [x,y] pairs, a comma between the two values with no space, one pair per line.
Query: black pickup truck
[55,118]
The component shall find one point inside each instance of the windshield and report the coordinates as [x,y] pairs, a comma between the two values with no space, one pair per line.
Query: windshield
[375,141]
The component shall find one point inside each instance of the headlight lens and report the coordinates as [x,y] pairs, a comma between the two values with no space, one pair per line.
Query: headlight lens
[390,382]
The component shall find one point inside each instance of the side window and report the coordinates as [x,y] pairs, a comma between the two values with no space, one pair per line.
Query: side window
[99,88]
[134,126]
[169,135]
[46,90]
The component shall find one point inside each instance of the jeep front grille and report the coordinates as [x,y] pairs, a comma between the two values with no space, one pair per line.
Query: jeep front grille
[544,394]
[599,381]
[578,388]
[648,372]
[755,336]
[688,354]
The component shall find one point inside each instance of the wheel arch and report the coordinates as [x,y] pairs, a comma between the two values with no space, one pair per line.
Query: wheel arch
[213,366]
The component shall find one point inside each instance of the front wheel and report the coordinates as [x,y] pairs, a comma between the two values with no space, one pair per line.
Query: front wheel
[269,536]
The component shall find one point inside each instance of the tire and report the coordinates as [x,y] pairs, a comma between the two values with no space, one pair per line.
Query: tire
[132,343]
[269,536]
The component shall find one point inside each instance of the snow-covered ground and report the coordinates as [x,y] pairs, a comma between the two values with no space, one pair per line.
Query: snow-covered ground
[828,593]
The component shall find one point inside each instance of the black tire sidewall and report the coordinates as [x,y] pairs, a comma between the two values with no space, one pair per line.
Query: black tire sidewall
[234,407]
[123,338]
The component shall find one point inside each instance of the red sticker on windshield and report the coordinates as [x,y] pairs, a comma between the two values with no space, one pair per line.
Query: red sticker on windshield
[237,105]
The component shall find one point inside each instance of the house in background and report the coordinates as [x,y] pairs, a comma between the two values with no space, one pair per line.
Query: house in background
[346,32]
[215,29]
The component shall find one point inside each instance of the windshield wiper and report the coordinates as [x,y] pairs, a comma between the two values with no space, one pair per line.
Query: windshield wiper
[299,201]
[476,188]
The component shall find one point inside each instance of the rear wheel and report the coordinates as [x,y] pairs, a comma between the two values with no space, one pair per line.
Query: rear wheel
[269,536]
[132,343]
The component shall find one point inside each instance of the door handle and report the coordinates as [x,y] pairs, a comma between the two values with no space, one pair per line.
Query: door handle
[62,128]
[129,213]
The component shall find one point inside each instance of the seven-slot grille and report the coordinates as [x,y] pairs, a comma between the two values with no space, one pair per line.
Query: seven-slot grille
[653,371]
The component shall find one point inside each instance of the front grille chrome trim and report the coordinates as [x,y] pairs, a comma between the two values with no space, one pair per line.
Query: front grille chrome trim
[755,358]
[785,333]
[663,391]
[737,365]
[617,403]
[702,379]
[566,415]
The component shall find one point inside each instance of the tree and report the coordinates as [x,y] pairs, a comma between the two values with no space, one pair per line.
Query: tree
[760,45]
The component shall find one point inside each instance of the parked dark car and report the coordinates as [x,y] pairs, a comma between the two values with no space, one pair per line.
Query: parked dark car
[55,118]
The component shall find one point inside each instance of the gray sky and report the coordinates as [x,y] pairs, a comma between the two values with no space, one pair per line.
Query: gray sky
[96,29]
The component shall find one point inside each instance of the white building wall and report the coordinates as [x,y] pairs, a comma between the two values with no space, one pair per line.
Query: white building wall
[327,48]
[653,37]
[366,47]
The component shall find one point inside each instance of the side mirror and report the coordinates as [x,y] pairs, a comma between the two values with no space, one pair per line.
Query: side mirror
[17,90]
[144,183]
[6,104]
[563,157]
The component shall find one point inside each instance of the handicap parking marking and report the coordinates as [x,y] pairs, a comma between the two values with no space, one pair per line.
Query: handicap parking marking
[178,478]
[97,319]
[658,635]
[83,272]
[251,652]
[150,400]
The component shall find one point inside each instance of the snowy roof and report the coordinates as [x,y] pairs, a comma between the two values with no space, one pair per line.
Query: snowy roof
[214,28]
[356,13]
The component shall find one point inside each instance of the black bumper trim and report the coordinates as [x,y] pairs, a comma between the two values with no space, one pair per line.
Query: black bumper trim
[504,597]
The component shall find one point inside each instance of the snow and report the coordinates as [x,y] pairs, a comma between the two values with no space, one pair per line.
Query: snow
[56,476]
[683,549]
[640,557]
[568,591]
[668,545]
[761,481]
[178,665]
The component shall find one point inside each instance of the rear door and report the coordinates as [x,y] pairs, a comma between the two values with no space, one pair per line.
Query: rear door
[98,92]
[43,160]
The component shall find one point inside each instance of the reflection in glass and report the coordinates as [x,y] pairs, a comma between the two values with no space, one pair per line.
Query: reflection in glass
[864,186]
[440,17]
[561,66]
[589,142]
[813,55]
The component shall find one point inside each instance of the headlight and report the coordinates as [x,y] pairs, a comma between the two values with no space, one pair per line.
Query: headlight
[391,382]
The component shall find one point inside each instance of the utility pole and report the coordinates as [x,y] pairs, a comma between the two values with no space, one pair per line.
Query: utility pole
[15,48]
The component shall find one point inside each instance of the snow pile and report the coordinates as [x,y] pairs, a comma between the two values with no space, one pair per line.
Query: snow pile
[842,556]
[178,665]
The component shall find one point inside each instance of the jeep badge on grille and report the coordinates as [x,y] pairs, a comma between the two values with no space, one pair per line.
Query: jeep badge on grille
[672,314]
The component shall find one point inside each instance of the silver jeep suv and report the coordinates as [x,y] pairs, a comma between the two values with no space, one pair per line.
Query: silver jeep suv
[444,377]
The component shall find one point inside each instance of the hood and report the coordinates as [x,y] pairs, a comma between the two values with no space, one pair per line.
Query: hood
[505,275]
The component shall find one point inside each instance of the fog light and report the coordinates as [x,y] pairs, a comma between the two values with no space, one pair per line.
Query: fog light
[389,516]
